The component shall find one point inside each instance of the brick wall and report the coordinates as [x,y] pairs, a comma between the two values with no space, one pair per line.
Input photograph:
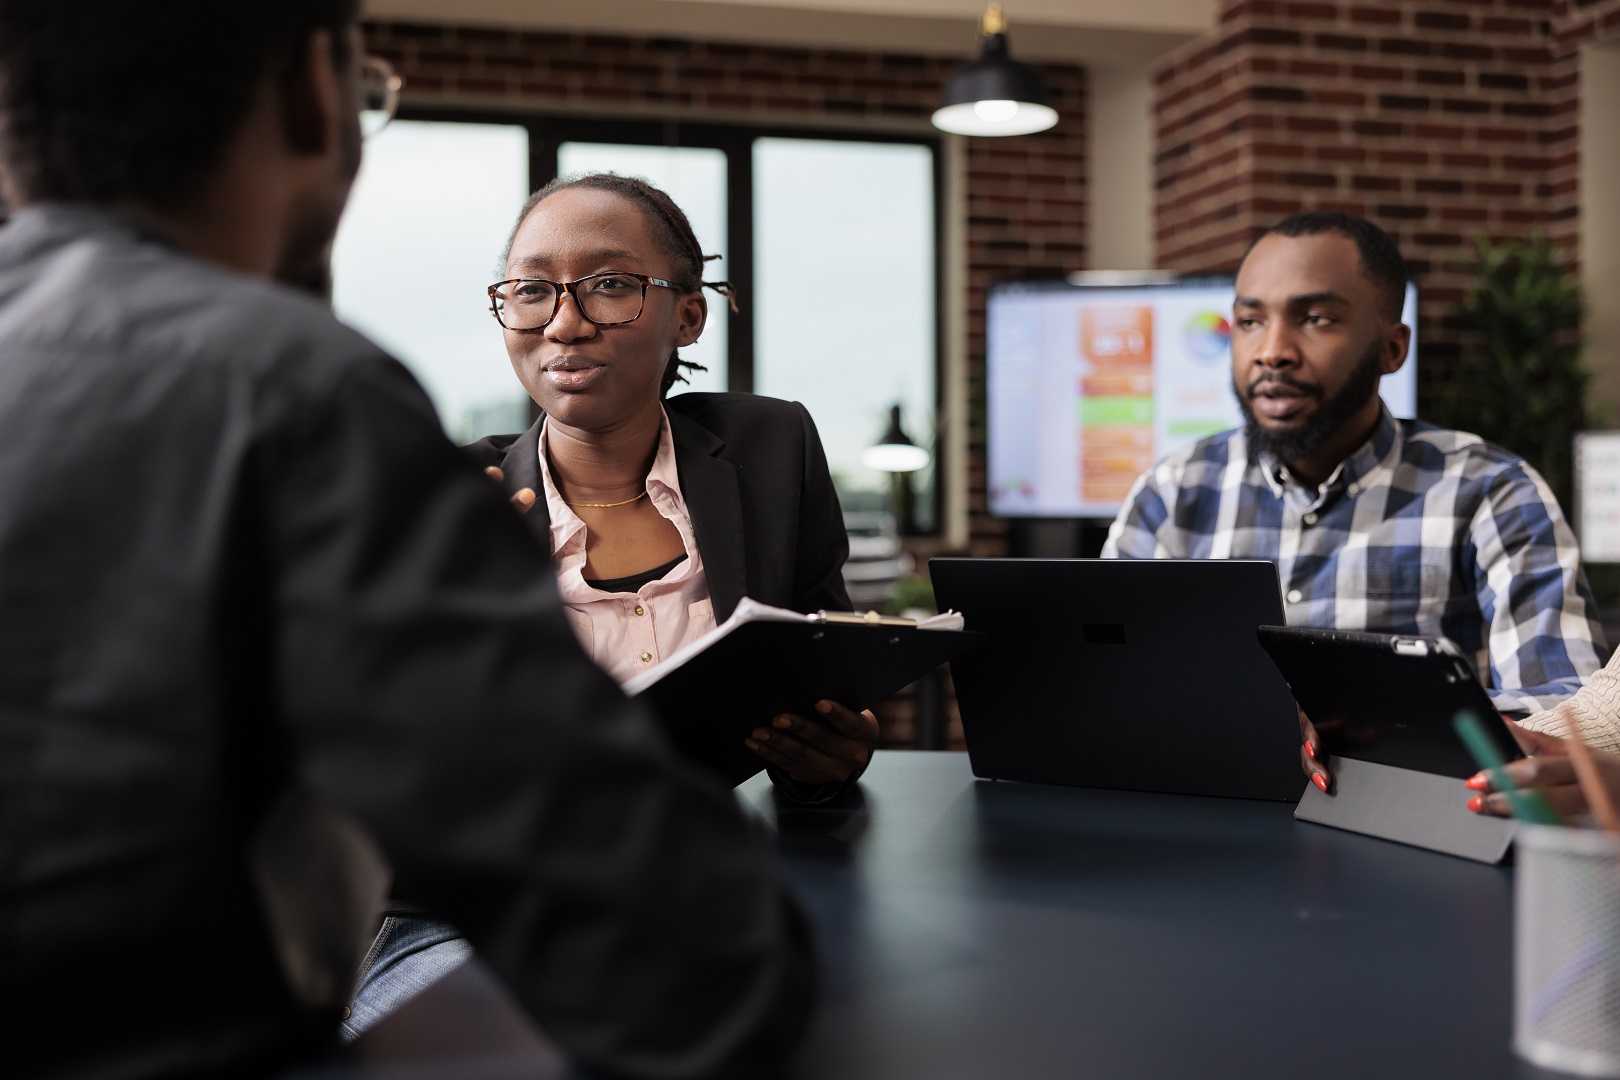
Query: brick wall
[1439,119]
[1025,198]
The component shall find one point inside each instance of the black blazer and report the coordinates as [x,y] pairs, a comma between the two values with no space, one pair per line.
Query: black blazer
[755,481]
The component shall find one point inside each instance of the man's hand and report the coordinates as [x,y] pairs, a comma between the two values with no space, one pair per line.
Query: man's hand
[1311,755]
[522,500]
[825,751]
[1549,770]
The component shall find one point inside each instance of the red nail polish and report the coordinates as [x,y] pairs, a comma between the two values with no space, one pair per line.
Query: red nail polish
[1320,781]
[1310,751]
[1478,782]
[1477,803]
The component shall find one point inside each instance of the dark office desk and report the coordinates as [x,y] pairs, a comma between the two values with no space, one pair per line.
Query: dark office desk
[978,929]
[986,930]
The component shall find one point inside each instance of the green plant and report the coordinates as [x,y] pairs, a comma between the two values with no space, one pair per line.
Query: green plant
[1521,384]
[911,593]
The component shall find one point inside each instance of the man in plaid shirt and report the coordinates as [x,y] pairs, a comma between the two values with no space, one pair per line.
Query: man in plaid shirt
[1376,524]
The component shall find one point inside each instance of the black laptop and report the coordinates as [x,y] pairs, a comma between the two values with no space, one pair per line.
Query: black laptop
[1144,675]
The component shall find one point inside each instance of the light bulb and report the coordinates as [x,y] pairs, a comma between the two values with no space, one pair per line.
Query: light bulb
[995,112]
[894,457]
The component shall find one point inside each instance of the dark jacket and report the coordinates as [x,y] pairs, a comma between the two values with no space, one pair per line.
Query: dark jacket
[755,481]
[240,565]
[764,512]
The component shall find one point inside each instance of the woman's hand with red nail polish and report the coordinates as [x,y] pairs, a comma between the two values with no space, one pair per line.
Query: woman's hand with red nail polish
[1310,754]
[1548,770]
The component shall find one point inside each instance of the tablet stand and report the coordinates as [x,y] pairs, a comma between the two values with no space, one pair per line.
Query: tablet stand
[1418,808]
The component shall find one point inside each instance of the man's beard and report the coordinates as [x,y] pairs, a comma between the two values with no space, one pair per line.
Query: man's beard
[307,257]
[1331,413]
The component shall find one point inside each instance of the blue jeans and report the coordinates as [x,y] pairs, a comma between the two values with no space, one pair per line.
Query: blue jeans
[409,954]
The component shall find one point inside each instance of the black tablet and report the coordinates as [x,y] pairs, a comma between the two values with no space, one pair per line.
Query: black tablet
[1386,698]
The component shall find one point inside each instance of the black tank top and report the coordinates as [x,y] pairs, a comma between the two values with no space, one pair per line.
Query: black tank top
[634,582]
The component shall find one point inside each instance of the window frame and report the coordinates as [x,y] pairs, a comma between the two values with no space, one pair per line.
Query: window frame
[547,131]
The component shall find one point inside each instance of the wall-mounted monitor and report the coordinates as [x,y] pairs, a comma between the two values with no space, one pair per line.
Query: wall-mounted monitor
[1088,385]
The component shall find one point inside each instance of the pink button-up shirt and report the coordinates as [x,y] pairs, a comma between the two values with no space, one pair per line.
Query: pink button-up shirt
[627,633]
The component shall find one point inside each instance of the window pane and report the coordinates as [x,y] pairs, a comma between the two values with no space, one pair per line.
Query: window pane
[696,179]
[844,251]
[419,243]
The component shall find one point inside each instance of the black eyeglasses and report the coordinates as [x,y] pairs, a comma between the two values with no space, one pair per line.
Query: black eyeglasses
[379,94]
[611,299]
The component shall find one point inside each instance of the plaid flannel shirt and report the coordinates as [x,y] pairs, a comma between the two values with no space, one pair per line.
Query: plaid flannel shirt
[1422,531]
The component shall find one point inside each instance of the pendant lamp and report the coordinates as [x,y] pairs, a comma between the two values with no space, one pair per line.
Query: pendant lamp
[994,95]
[895,452]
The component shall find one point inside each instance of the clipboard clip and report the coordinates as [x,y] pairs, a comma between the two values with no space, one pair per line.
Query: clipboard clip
[870,618]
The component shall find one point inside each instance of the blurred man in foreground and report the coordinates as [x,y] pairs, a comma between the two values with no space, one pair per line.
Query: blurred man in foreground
[266,636]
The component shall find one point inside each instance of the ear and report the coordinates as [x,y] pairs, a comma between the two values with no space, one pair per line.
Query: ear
[691,316]
[1397,340]
[312,98]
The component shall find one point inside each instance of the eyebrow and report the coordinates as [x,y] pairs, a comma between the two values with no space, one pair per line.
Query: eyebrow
[1327,296]
[603,256]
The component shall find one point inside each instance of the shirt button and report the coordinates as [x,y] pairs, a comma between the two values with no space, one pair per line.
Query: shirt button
[1295,596]
[646,657]
[639,611]
[1355,489]
[1309,519]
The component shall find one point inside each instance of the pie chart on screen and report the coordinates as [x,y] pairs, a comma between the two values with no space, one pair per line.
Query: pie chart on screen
[1207,336]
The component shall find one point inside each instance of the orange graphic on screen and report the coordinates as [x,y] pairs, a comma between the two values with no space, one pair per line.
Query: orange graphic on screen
[1116,399]
[1113,337]
[1114,384]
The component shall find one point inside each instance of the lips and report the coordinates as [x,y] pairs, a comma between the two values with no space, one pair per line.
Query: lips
[573,374]
[1279,401]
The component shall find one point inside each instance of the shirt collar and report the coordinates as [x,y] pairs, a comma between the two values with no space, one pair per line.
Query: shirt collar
[1357,470]
[78,218]
[663,484]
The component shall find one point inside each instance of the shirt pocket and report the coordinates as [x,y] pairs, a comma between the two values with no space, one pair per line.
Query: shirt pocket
[584,630]
[700,617]
[1393,575]
[1405,591]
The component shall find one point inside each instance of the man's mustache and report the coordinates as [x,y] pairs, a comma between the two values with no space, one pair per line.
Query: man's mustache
[1269,381]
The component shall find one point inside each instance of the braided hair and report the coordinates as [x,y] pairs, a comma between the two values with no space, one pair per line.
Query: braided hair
[674,232]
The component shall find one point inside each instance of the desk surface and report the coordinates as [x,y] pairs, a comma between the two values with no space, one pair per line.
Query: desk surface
[979,929]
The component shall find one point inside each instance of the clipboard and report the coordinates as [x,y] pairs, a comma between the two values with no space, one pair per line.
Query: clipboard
[765,661]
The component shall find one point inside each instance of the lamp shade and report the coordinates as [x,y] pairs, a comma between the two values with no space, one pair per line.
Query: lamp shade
[994,95]
[894,452]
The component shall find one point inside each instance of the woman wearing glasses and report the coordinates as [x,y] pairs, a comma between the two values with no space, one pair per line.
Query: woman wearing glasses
[661,514]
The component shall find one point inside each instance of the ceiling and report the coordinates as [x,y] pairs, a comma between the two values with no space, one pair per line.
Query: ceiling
[1097,33]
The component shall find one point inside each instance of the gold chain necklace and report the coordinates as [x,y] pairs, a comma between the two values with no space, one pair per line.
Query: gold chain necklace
[604,506]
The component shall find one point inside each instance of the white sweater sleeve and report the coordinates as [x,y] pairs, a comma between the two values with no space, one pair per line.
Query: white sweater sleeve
[1595,707]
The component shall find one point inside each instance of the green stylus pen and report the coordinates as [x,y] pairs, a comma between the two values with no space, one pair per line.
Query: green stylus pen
[1528,805]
